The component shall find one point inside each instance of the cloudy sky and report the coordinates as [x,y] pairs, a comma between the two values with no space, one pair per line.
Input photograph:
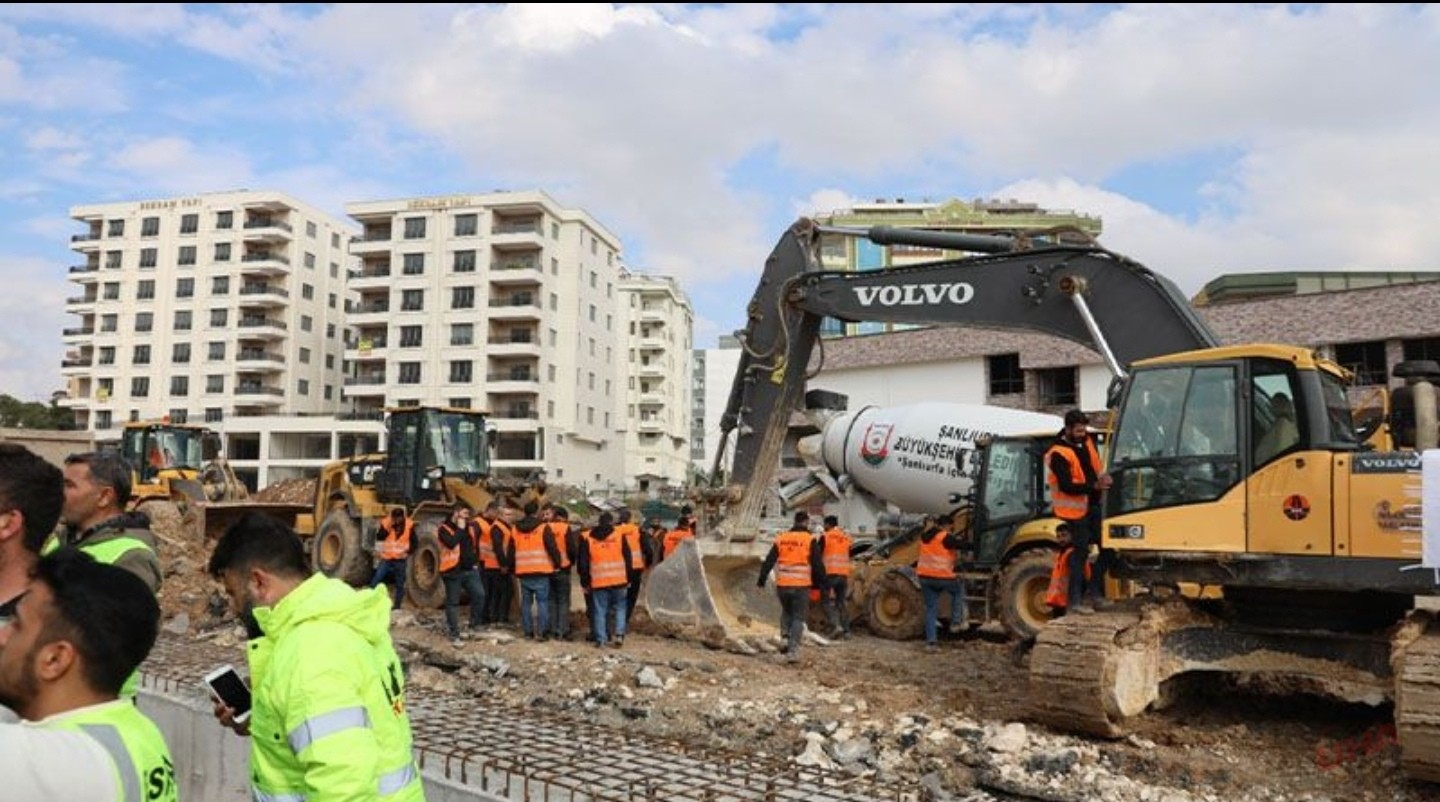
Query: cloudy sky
[1211,139]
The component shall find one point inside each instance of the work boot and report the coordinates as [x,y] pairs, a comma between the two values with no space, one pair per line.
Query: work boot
[932,647]
[1083,608]
[618,642]
[1101,603]
[793,657]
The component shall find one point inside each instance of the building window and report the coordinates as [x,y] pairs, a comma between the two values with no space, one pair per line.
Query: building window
[107,355]
[462,334]
[1057,387]
[310,229]
[220,285]
[187,255]
[331,299]
[1366,360]
[179,416]
[329,392]
[1006,378]
[117,228]
[412,336]
[215,352]
[218,318]
[409,372]
[414,228]
[412,264]
[460,371]
[214,384]
[185,288]
[460,403]
[303,387]
[140,387]
[141,355]
[224,220]
[306,323]
[112,259]
[304,356]
[148,257]
[462,298]
[189,223]
[182,319]
[180,386]
[180,353]
[412,300]
[103,419]
[112,291]
[214,414]
[145,291]
[466,225]
[1427,348]
[309,261]
[104,389]
[144,321]
[109,322]
[464,262]
[150,227]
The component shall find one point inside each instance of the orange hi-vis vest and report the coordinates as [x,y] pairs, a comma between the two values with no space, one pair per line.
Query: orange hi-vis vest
[837,552]
[486,544]
[936,560]
[561,530]
[631,534]
[1067,506]
[507,536]
[394,545]
[449,555]
[673,538]
[531,559]
[607,562]
[792,569]
[1058,594]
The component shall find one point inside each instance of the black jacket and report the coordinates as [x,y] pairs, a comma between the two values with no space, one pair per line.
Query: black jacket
[582,563]
[451,536]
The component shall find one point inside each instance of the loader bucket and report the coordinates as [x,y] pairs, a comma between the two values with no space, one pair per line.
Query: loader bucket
[217,516]
[708,589]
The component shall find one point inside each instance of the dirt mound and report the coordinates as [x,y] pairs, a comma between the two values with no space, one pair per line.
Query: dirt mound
[288,491]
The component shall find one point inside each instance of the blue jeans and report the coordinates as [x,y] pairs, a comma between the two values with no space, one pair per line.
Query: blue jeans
[391,568]
[605,600]
[931,589]
[469,579]
[536,587]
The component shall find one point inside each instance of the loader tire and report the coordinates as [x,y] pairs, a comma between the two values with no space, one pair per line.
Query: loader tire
[894,609]
[423,586]
[1020,592]
[338,551]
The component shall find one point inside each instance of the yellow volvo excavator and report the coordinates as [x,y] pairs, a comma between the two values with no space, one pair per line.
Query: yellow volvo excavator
[1235,467]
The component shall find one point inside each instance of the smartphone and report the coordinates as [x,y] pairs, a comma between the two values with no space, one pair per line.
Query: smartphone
[227,686]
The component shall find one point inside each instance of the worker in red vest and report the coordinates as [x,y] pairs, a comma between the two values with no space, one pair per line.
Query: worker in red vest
[392,548]
[798,566]
[835,549]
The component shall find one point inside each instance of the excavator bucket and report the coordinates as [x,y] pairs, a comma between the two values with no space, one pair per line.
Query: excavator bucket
[217,516]
[708,587]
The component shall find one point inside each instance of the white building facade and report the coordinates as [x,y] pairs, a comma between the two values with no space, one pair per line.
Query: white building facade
[203,308]
[505,302]
[659,326]
[714,374]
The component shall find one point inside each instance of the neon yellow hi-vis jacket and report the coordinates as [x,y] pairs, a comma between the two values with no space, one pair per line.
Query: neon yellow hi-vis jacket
[329,720]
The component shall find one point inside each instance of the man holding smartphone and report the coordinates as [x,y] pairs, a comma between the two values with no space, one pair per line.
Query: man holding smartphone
[328,716]
[79,630]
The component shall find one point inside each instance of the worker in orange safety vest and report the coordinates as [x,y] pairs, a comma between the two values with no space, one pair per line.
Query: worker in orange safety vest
[1077,479]
[392,550]
[1057,595]
[798,566]
[835,549]
[939,551]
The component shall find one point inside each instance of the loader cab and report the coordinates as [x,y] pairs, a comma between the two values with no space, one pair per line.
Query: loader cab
[1190,430]
[425,445]
[151,448]
[1009,490]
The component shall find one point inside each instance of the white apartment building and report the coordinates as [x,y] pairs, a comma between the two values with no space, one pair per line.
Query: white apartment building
[659,326]
[714,376]
[204,308]
[506,302]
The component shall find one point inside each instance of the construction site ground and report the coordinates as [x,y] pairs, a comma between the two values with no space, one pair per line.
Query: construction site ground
[946,725]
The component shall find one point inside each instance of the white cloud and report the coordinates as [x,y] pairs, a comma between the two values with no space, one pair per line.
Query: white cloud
[177,165]
[34,301]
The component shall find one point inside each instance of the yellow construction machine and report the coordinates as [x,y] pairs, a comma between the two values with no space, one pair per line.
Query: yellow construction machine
[175,469]
[1236,468]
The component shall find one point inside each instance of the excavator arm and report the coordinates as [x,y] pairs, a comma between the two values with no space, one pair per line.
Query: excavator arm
[1071,291]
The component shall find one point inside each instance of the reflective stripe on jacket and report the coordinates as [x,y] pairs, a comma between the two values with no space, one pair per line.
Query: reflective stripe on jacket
[488,559]
[837,552]
[561,531]
[531,558]
[607,562]
[937,561]
[144,771]
[631,534]
[1071,507]
[329,718]
[792,568]
[394,545]
[449,555]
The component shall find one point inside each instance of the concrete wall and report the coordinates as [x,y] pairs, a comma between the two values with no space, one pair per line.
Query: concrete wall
[53,445]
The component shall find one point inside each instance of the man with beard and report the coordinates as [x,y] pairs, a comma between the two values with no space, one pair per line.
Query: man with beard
[97,488]
[30,494]
[328,716]
[78,631]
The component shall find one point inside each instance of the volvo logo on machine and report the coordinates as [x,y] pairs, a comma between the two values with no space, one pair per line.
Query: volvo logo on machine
[953,293]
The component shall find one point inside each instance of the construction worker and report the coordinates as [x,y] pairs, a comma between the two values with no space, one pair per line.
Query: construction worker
[1057,595]
[835,547]
[561,580]
[604,562]
[460,570]
[31,490]
[939,550]
[798,565]
[635,566]
[491,533]
[1077,479]
[533,554]
[97,488]
[393,550]
[683,531]
[328,719]
[80,629]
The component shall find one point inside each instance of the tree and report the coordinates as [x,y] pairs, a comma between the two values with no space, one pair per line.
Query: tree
[17,414]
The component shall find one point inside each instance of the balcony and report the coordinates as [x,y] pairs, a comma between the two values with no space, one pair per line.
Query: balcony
[83,331]
[259,360]
[264,263]
[367,348]
[370,313]
[652,344]
[515,272]
[508,346]
[263,295]
[368,385]
[653,315]
[88,241]
[520,307]
[252,389]
[654,369]
[76,364]
[263,327]
[652,400]
[370,275]
[84,273]
[526,233]
[265,229]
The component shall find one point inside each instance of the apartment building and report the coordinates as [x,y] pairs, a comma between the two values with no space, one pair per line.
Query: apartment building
[504,301]
[714,375]
[205,307]
[659,326]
